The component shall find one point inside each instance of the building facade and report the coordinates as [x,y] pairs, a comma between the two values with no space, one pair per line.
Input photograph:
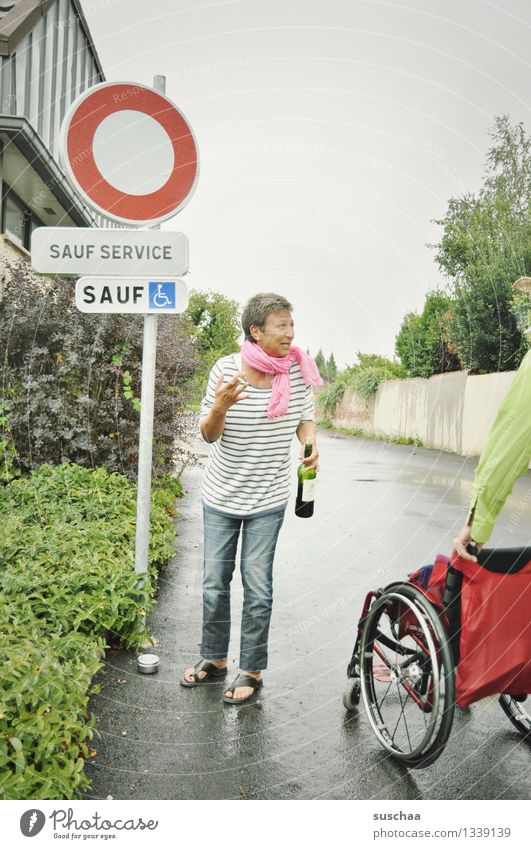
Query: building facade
[47,59]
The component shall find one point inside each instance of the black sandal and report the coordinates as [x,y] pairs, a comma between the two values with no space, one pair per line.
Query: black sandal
[212,673]
[242,681]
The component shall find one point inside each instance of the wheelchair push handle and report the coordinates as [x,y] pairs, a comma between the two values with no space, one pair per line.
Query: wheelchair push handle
[472,548]
[452,585]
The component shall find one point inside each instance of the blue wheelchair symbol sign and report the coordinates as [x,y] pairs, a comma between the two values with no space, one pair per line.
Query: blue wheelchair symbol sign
[162,295]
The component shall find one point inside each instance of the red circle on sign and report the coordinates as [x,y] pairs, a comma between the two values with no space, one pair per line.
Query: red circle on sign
[77,148]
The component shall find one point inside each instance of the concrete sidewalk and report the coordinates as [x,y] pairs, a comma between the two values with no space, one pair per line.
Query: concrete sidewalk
[381,511]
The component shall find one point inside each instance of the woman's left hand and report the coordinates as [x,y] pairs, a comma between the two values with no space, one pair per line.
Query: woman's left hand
[313,460]
[461,541]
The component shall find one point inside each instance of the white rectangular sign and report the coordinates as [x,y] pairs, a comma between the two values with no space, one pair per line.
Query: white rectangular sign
[106,251]
[131,295]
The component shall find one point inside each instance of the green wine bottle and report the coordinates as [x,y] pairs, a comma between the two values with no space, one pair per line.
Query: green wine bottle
[305,486]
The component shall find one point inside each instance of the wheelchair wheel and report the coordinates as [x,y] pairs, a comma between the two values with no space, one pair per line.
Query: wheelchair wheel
[407,676]
[519,713]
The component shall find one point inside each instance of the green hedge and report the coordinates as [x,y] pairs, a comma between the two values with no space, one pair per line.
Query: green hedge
[67,582]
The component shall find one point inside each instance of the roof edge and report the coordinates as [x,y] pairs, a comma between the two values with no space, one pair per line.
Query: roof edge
[30,144]
[20,21]
[25,15]
[83,21]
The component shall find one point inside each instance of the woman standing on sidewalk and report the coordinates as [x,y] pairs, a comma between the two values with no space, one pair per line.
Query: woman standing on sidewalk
[255,402]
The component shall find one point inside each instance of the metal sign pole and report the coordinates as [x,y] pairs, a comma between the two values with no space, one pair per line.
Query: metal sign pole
[145,449]
[146,662]
[135,160]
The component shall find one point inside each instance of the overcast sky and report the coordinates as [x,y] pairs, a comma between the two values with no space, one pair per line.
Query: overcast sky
[331,133]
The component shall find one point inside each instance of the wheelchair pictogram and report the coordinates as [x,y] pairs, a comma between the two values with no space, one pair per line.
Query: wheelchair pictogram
[162,295]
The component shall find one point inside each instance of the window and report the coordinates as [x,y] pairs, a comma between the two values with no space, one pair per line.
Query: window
[15,219]
[18,219]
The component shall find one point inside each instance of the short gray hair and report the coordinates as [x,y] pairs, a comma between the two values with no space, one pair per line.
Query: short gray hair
[258,308]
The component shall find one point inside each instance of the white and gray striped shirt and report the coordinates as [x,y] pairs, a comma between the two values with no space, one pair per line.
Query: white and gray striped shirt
[249,465]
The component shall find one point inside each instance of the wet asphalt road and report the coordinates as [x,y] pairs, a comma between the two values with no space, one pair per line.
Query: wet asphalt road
[382,510]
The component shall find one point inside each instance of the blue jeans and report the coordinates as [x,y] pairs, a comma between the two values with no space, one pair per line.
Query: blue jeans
[259,539]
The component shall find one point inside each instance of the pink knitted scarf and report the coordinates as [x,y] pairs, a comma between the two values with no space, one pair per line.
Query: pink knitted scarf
[279,367]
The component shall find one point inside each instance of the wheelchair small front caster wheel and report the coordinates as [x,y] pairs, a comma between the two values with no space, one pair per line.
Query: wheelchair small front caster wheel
[351,693]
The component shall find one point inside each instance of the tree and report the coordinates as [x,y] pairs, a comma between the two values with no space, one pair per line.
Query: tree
[214,323]
[214,328]
[424,342]
[485,246]
[321,364]
[331,368]
[327,368]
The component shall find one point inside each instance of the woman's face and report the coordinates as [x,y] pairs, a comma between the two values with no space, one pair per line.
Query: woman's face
[276,336]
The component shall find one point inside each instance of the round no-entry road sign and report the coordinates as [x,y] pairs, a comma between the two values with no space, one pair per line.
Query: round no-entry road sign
[129,152]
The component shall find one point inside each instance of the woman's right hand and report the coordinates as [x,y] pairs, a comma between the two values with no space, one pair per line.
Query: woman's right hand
[462,540]
[229,393]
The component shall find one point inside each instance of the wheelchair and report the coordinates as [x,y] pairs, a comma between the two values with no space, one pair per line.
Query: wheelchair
[455,632]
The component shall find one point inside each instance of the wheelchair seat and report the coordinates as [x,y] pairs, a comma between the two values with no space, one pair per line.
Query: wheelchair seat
[504,561]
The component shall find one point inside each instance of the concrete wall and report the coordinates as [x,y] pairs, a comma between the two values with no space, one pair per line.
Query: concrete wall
[355,412]
[451,412]
[400,408]
[9,254]
[445,405]
[10,251]
[483,396]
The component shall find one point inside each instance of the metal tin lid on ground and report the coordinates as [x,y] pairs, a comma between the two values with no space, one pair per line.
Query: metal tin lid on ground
[147,664]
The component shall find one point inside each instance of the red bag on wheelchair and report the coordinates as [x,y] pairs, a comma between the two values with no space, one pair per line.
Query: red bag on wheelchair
[495,616]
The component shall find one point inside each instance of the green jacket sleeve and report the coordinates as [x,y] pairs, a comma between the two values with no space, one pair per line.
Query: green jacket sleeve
[506,455]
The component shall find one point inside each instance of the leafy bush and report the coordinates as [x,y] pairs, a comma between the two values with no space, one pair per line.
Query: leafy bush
[67,581]
[365,382]
[9,467]
[363,379]
[330,397]
[213,325]
[424,343]
[44,729]
[521,308]
[393,369]
[71,381]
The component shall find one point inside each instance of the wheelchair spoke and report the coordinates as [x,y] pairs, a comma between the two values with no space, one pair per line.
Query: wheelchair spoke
[385,694]
[402,714]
